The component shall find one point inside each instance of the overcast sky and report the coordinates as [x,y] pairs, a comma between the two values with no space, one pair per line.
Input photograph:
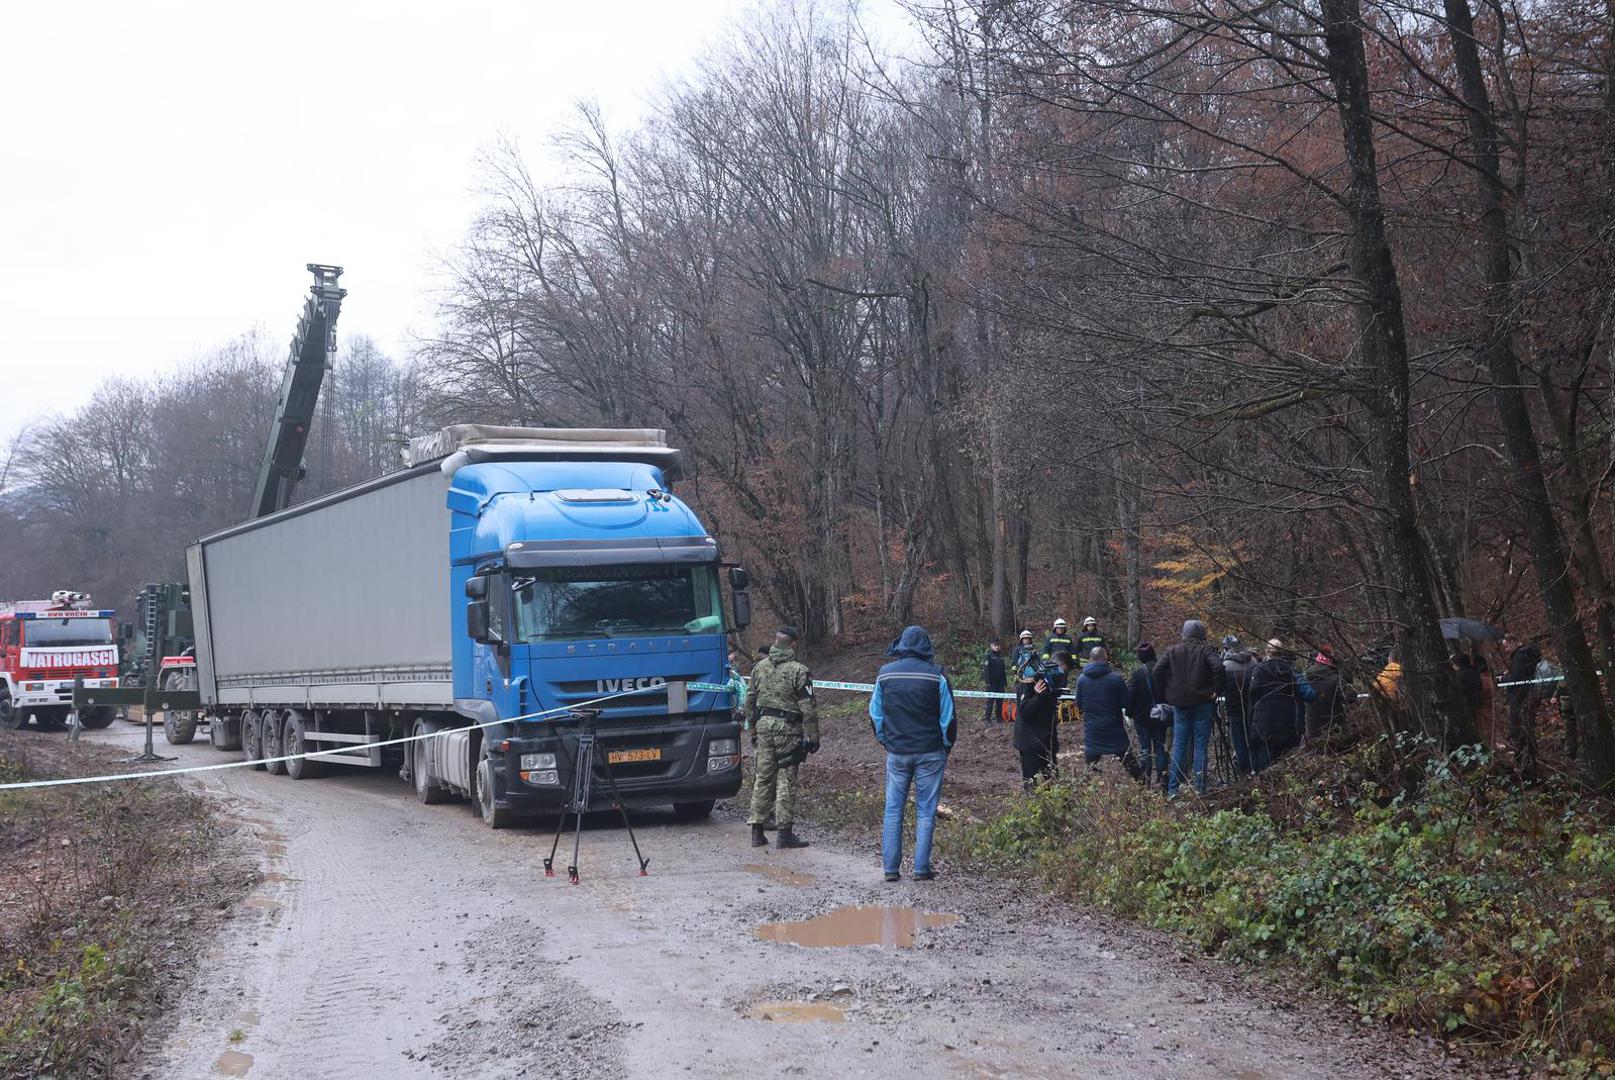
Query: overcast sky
[169,168]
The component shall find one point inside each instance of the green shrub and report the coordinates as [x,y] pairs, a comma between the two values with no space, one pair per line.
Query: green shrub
[1472,909]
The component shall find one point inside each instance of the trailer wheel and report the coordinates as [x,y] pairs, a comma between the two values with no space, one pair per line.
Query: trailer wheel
[694,811]
[482,797]
[426,791]
[251,738]
[11,718]
[96,719]
[273,743]
[179,725]
[295,741]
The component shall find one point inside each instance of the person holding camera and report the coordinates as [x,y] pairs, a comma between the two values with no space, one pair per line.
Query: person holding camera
[1037,737]
[1150,718]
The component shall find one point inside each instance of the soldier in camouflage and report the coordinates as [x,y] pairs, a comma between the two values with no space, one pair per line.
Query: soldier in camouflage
[784,729]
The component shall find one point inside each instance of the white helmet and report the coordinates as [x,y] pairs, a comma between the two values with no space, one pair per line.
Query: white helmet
[1027,634]
[1060,624]
[1090,621]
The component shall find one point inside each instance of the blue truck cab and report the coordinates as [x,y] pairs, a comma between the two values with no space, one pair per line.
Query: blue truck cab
[585,584]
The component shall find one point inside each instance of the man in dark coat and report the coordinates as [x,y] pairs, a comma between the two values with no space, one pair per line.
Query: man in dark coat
[912,714]
[1188,677]
[1102,697]
[1036,727]
[1150,723]
[1277,697]
[1327,711]
[994,676]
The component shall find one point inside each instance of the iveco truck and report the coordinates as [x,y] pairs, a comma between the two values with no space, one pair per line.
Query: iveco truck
[502,581]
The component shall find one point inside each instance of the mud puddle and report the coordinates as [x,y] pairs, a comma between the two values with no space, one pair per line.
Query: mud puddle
[784,875]
[799,1012]
[886,927]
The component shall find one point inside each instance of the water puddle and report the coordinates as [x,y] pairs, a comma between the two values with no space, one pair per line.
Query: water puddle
[233,1063]
[799,1012]
[782,874]
[275,850]
[887,927]
[277,876]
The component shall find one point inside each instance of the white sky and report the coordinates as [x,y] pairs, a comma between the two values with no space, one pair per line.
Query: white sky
[169,168]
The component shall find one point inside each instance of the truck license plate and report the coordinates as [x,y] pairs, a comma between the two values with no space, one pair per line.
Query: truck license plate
[623,757]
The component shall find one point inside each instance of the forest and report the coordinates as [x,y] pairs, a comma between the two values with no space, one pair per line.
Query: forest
[1295,316]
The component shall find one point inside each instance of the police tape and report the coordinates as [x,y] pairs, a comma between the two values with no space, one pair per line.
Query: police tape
[336,752]
[869,688]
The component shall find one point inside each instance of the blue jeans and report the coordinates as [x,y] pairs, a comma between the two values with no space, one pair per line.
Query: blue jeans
[1243,755]
[1152,750]
[922,772]
[1191,723]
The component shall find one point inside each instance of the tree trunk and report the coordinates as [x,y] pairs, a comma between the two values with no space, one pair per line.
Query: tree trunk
[1519,434]
[1427,687]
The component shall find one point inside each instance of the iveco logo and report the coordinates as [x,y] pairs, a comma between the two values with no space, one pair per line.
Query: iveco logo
[612,686]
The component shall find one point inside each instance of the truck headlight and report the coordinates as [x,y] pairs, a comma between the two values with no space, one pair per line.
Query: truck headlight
[538,761]
[543,778]
[719,764]
[719,747]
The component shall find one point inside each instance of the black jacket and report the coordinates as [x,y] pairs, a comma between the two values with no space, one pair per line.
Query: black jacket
[1522,664]
[1276,697]
[1188,674]
[1059,643]
[1036,726]
[993,671]
[1141,698]
[1328,709]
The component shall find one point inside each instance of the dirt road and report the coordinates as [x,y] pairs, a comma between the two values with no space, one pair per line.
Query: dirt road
[390,939]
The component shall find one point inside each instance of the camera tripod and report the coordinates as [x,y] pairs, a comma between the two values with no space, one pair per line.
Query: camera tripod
[577,803]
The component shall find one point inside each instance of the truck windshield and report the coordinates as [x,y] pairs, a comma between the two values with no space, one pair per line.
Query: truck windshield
[572,602]
[45,633]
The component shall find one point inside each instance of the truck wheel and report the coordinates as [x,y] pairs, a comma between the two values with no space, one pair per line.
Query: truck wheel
[495,817]
[295,741]
[270,725]
[96,719]
[51,719]
[178,725]
[252,741]
[11,718]
[694,811]
[426,791]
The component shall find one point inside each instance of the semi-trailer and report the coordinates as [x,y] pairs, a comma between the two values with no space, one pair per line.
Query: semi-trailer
[478,597]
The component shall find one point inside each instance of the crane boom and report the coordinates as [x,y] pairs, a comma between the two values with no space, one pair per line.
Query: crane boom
[299,390]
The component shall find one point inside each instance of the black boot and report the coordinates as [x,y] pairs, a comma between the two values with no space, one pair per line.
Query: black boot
[788,839]
[757,837]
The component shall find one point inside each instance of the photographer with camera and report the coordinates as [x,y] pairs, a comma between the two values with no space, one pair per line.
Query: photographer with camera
[1037,736]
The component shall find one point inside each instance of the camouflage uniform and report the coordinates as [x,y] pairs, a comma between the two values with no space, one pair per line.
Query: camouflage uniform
[780,684]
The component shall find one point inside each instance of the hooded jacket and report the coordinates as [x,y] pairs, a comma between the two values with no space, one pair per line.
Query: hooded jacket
[1102,695]
[1189,673]
[912,706]
[1141,690]
[1236,668]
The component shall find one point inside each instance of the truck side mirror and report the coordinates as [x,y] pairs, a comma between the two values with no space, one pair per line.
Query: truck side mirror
[476,587]
[476,620]
[739,585]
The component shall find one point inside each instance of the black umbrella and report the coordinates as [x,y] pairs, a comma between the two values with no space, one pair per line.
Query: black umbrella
[1471,629]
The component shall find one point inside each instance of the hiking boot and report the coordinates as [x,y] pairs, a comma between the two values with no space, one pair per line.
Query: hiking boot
[894,877]
[757,837]
[788,839]
[925,875]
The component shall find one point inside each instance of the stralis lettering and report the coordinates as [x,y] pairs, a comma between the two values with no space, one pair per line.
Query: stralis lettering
[65,658]
[613,686]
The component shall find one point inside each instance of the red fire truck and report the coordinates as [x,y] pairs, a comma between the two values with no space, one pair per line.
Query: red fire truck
[44,646]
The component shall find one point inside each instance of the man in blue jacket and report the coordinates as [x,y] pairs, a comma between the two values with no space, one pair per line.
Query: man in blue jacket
[912,711]
[1102,694]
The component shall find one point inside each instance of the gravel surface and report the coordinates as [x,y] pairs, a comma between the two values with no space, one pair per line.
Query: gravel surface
[390,939]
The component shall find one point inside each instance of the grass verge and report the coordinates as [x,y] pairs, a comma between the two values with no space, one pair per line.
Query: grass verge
[99,887]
